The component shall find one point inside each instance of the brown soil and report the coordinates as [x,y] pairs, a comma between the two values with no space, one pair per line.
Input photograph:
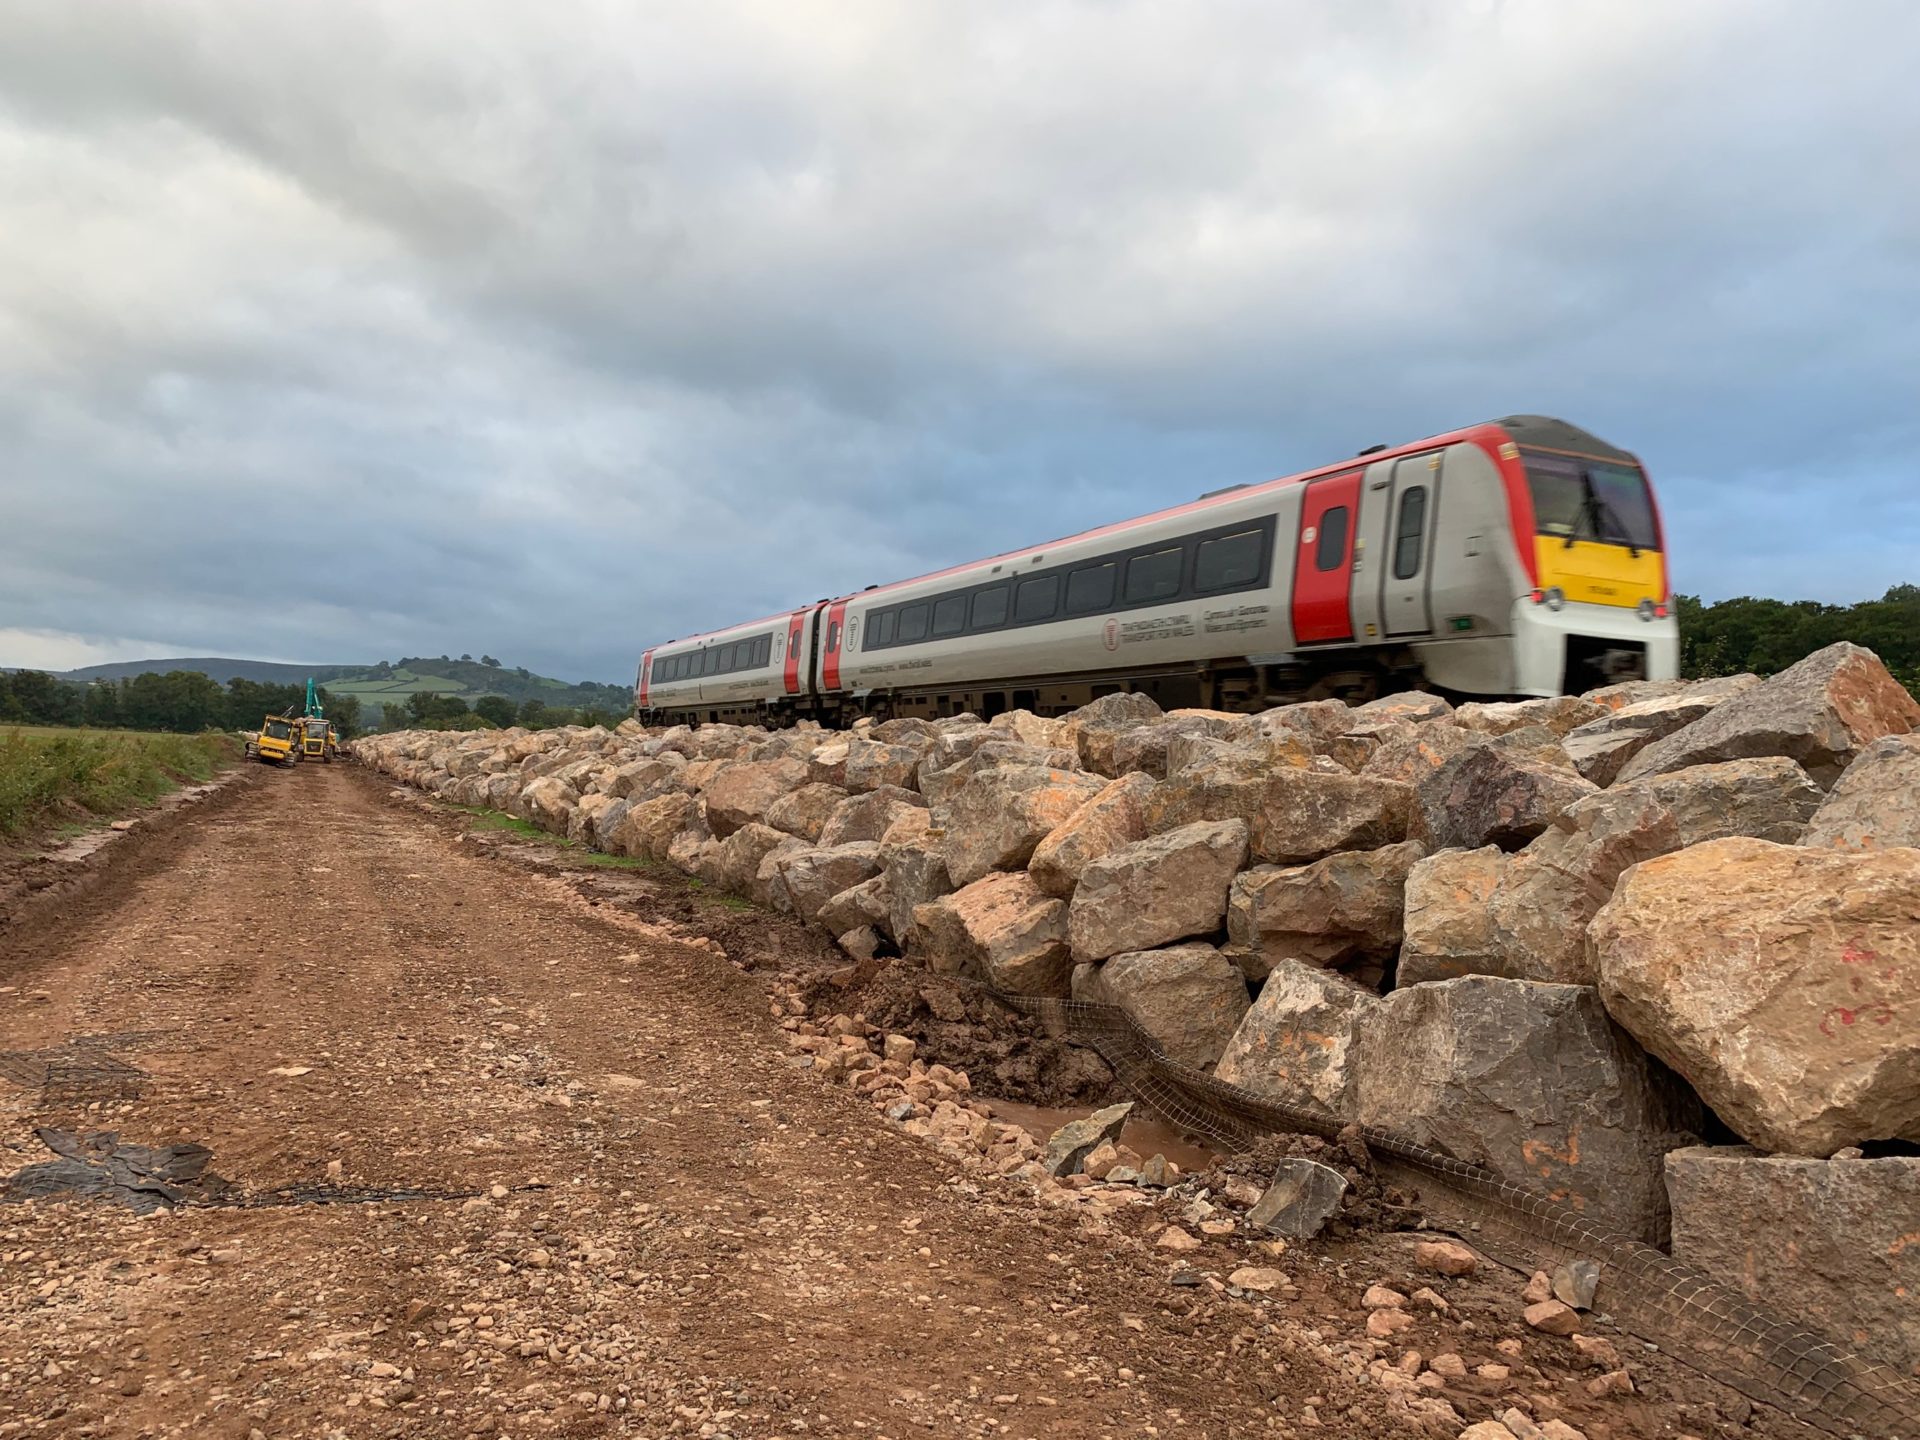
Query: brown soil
[641,1217]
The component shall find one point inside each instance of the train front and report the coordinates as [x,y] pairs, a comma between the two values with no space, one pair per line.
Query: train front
[1600,609]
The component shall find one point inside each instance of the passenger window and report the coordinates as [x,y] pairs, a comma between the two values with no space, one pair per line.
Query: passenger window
[913,623]
[1409,532]
[989,608]
[1037,599]
[763,654]
[1090,589]
[1229,563]
[949,615]
[833,636]
[1155,576]
[1332,551]
[880,633]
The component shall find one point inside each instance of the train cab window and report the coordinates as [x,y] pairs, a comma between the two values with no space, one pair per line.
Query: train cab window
[913,623]
[1036,599]
[880,631]
[1154,576]
[1229,563]
[1090,588]
[949,615]
[989,608]
[1331,553]
[1409,531]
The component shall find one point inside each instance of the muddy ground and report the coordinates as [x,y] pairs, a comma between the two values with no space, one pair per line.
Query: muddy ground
[496,1151]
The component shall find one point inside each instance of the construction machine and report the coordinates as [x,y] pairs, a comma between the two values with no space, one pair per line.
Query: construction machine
[317,738]
[278,742]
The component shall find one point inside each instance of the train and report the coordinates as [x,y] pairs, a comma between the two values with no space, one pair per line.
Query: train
[1521,557]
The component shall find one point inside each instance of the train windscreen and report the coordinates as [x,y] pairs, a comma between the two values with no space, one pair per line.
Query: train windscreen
[1576,498]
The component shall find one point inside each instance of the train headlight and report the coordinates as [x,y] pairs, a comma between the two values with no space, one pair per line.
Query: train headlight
[1554,597]
[1651,609]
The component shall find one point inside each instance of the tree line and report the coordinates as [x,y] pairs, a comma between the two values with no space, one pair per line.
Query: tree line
[1730,637]
[180,701]
[425,710]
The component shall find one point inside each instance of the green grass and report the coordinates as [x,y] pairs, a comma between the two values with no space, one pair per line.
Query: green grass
[56,776]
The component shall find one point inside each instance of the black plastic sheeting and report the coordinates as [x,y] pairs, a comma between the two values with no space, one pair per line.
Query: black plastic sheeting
[144,1178]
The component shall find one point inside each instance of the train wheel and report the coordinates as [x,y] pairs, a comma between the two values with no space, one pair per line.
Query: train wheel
[1356,687]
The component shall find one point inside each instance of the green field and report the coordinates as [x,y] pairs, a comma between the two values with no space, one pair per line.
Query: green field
[52,776]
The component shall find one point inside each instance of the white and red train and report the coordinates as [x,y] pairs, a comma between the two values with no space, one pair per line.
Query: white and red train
[1519,557]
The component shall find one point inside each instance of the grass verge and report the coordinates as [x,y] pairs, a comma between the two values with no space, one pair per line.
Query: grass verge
[65,777]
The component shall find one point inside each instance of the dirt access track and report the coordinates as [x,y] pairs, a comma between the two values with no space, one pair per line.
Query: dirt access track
[624,1210]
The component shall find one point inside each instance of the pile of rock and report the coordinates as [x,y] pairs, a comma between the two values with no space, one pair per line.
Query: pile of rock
[1538,935]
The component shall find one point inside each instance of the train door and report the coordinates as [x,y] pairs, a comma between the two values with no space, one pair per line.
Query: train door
[796,631]
[643,685]
[1412,502]
[830,648]
[1323,561]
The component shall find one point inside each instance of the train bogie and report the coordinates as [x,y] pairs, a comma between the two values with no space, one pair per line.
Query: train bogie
[1517,558]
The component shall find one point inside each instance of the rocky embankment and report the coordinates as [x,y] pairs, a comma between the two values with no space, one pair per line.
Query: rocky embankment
[1573,940]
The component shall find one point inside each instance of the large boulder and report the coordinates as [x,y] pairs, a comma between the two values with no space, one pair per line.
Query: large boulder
[583,825]
[1295,1045]
[1409,756]
[1001,929]
[875,765]
[1293,815]
[1414,706]
[548,802]
[1876,802]
[1779,981]
[1561,714]
[742,793]
[1832,1240]
[1494,795]
[916,870]
[1601,748]
[769,883]
[997,817]
[1313,723]
[1188,998]
[1526,916]
[1091,731]
[737,864]
[644,779]
[1535,1083]
[1336,911]
[1030,729]
[1145,747]
[868,815]
[1113,818]
[647,829]
[805,812]
[866,904]
[940,783]
[1821,712]
[1157,890]
[814,876]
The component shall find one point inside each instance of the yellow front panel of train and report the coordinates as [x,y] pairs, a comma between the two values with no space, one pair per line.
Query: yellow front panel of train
[1597,574]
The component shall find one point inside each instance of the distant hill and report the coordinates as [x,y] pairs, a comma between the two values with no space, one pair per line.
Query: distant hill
[385,683]
[266,672]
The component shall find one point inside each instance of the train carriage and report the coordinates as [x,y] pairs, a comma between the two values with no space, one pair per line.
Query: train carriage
[1520,557]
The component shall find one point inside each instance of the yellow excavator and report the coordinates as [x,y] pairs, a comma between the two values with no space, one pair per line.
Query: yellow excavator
[318,739]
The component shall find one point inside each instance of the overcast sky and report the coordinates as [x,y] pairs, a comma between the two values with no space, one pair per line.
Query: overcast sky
[332,332]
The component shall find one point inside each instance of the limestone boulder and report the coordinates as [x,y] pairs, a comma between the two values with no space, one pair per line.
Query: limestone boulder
[1027,728]
[1145,747]
[1188,998]
[916,870]
[583,826]
[805,812]
[1779,981]
[867,904]
[1001,929]
[1821,712]
[1314,723]
[644,779]
[1876,802]
[1295,1045]
[815,875]
[1532,1081]
[547,802]
[1562,714]
[940,784]
[868,815]
[1091,731]
[1832,1240]
[877,765]
[1111,819]
[1293,815]
[827,764]
[1526,916]
[1343,909]
[648,828]
[1601,748]
[1494,795]
[1157,890]
[1415,706]
[769,883]
[1632,692]
[742,793]
[737,863]
[998,817]
[1409,756]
